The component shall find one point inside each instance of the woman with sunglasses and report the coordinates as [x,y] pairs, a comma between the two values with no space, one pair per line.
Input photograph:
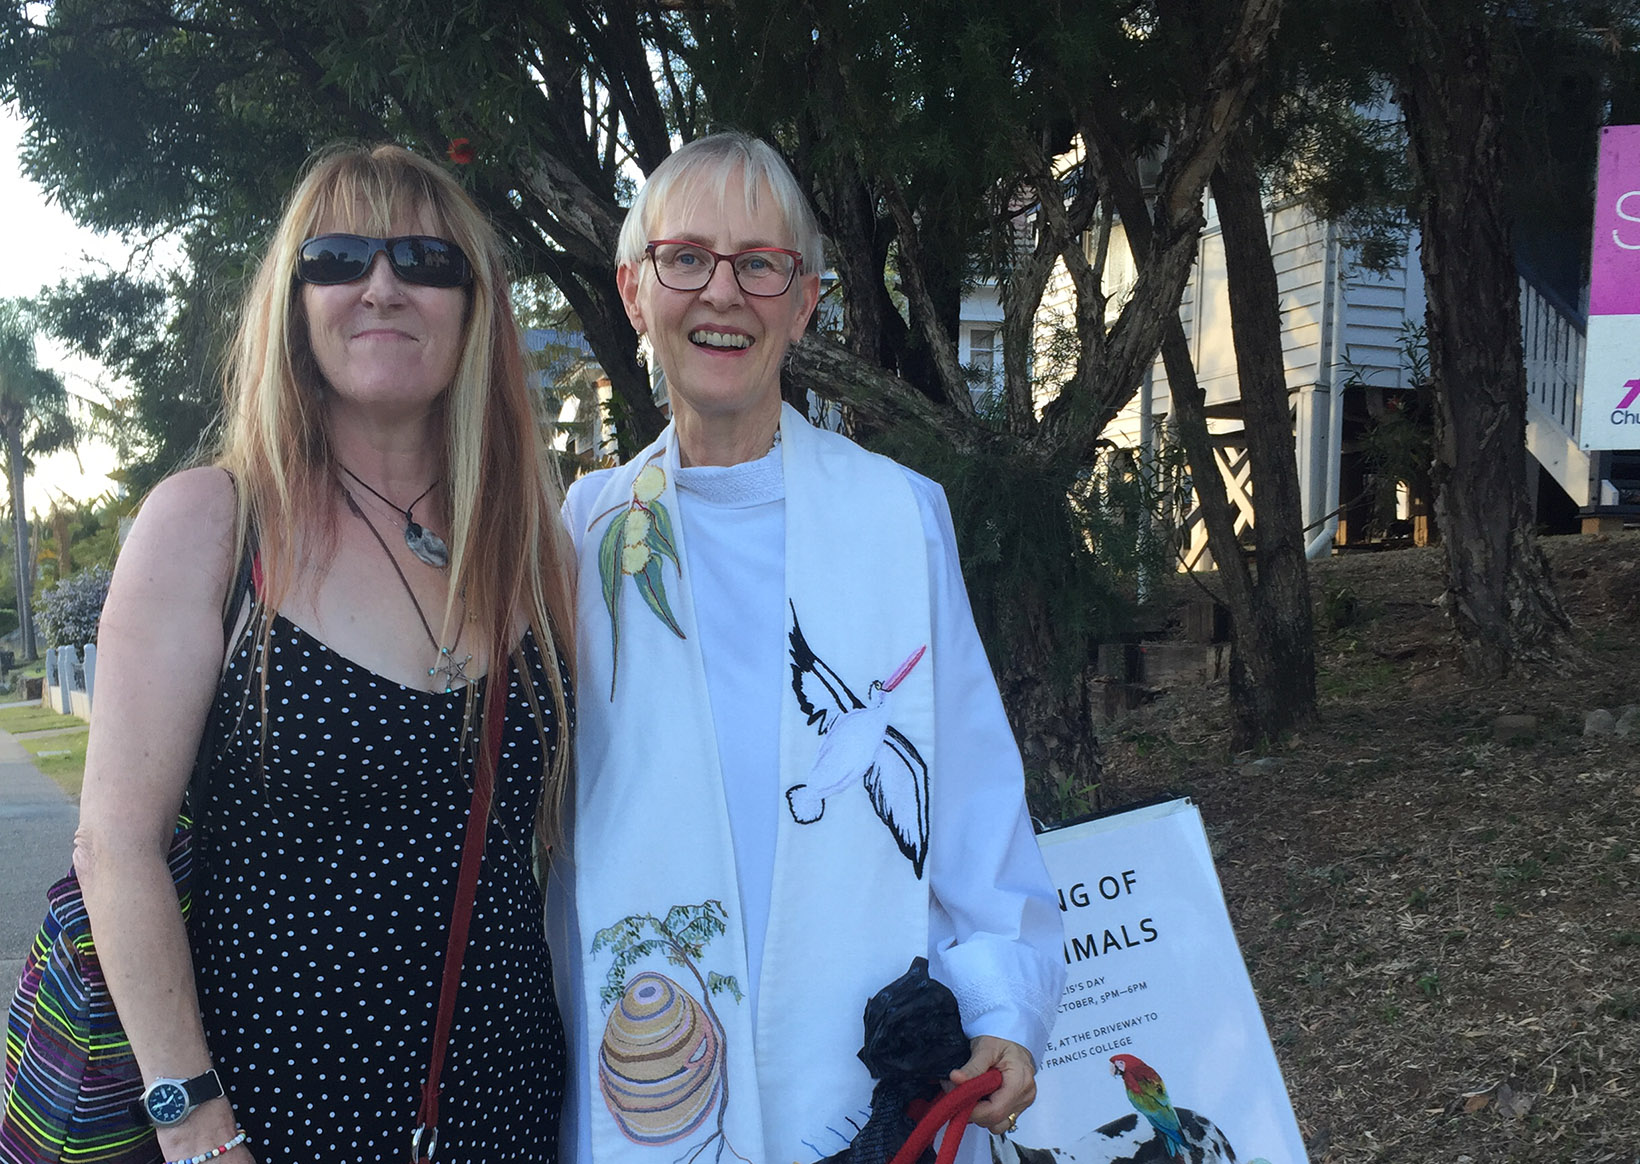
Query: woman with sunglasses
[794,772]
[387,479]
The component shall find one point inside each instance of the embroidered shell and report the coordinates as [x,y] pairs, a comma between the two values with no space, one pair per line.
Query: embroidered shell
[661,1064]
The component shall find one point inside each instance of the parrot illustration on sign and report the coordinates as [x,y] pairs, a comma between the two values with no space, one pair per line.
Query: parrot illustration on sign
[1149,1097]
[859,744]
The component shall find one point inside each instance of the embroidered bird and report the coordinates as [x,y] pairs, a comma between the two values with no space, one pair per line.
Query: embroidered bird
[859,744]
[1147,1094]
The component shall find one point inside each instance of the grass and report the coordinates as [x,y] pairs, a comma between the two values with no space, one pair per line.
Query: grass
[17,720]
[61,757]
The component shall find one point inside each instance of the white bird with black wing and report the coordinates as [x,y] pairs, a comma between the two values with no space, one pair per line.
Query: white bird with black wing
[858,744]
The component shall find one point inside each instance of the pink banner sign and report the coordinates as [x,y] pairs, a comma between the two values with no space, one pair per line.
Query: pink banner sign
[1614,277]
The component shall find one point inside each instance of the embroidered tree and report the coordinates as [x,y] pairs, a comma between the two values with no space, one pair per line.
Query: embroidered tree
[681,938]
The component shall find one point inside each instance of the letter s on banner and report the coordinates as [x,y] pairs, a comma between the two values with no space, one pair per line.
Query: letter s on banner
[1626,217]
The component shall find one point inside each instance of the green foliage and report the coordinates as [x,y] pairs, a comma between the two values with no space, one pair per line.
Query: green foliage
[77,534]
[916,128]
[1053,552]
[34,407]
[167,341]
[1529,869]
[1623,1006]
[1326,132]
[69,610]
[195,120]
[34,419]
[681,938]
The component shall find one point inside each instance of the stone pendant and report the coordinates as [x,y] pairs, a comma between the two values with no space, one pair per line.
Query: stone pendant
[426,545]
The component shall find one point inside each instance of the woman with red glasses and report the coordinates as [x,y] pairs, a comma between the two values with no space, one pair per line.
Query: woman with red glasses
[387,480]
[794,772]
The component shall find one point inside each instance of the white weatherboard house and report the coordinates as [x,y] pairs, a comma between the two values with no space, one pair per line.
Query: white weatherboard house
[1345,337]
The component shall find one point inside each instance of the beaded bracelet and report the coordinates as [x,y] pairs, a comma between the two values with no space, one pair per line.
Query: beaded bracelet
[223,1150]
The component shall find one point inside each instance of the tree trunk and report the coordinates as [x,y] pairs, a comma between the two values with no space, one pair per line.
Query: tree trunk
[1054,723]
[1219,516]
[15,469]
[1499,592]
[1272,670]
[1272,654]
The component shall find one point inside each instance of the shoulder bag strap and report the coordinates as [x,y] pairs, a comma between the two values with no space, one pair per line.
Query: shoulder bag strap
[209,738]
[424,1137]
[216,724]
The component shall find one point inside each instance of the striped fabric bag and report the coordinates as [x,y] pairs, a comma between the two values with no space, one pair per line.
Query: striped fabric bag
[70,1076]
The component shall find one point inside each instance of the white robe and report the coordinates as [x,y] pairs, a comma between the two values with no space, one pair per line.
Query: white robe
[994,932]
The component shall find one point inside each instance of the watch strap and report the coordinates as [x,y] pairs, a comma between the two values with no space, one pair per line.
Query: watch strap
[203,1088]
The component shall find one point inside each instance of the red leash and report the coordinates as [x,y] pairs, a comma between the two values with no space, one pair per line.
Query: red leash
[472,852]
[950,1111]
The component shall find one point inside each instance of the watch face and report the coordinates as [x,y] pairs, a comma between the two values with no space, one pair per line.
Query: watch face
[167,1102]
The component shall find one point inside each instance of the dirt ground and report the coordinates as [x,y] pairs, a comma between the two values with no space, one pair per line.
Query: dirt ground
[1443,929]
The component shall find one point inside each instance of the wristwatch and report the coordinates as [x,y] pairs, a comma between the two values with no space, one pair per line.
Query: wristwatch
[168,1101]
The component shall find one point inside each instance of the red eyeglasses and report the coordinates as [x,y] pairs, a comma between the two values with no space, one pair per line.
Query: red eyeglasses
[762,271]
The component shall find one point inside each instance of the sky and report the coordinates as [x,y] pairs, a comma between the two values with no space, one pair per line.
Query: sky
[46,246]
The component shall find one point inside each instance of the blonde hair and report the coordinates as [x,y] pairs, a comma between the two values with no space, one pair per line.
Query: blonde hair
[704,169]
[506,552]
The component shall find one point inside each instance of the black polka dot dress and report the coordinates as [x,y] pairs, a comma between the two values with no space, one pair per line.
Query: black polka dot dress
[319,936]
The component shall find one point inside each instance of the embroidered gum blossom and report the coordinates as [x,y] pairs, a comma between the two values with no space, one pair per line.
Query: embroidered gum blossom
[705,337]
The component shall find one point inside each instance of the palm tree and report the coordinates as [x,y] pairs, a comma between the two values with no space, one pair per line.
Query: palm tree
[34,419]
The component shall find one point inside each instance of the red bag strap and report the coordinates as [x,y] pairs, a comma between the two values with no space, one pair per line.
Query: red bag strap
[951,1111]
[472,852]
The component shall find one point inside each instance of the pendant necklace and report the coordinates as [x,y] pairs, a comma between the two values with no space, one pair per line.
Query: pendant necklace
[423,542]
[452,669]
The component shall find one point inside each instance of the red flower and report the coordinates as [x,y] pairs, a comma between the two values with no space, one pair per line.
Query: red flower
[461,151]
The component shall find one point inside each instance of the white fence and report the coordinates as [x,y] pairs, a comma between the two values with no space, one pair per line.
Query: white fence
[71,680]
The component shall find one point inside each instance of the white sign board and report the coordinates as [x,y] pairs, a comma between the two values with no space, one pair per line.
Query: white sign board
[1610,415]
[1157,988]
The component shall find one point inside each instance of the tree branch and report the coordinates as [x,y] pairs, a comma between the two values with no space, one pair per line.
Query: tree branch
[878,397]
[941,346]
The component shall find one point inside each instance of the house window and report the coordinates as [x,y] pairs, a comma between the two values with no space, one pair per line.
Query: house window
[983,362]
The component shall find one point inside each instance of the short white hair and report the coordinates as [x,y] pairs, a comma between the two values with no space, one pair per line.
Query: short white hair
[706,167]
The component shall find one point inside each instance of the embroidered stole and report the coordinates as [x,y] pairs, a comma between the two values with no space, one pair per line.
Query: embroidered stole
[676,1070]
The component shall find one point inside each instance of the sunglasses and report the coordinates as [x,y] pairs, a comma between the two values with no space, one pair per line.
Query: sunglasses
[329,259]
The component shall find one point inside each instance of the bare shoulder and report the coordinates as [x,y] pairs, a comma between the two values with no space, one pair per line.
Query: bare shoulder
[200,494]
[181,545]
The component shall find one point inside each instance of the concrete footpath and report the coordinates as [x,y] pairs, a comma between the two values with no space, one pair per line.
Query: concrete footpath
[37,822]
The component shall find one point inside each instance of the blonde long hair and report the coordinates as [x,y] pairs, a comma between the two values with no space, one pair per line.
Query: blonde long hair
[506,552]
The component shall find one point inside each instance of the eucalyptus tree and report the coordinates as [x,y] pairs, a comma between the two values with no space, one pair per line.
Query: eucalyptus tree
[924,131]
[1471,77]
[948,142]
[196,118]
